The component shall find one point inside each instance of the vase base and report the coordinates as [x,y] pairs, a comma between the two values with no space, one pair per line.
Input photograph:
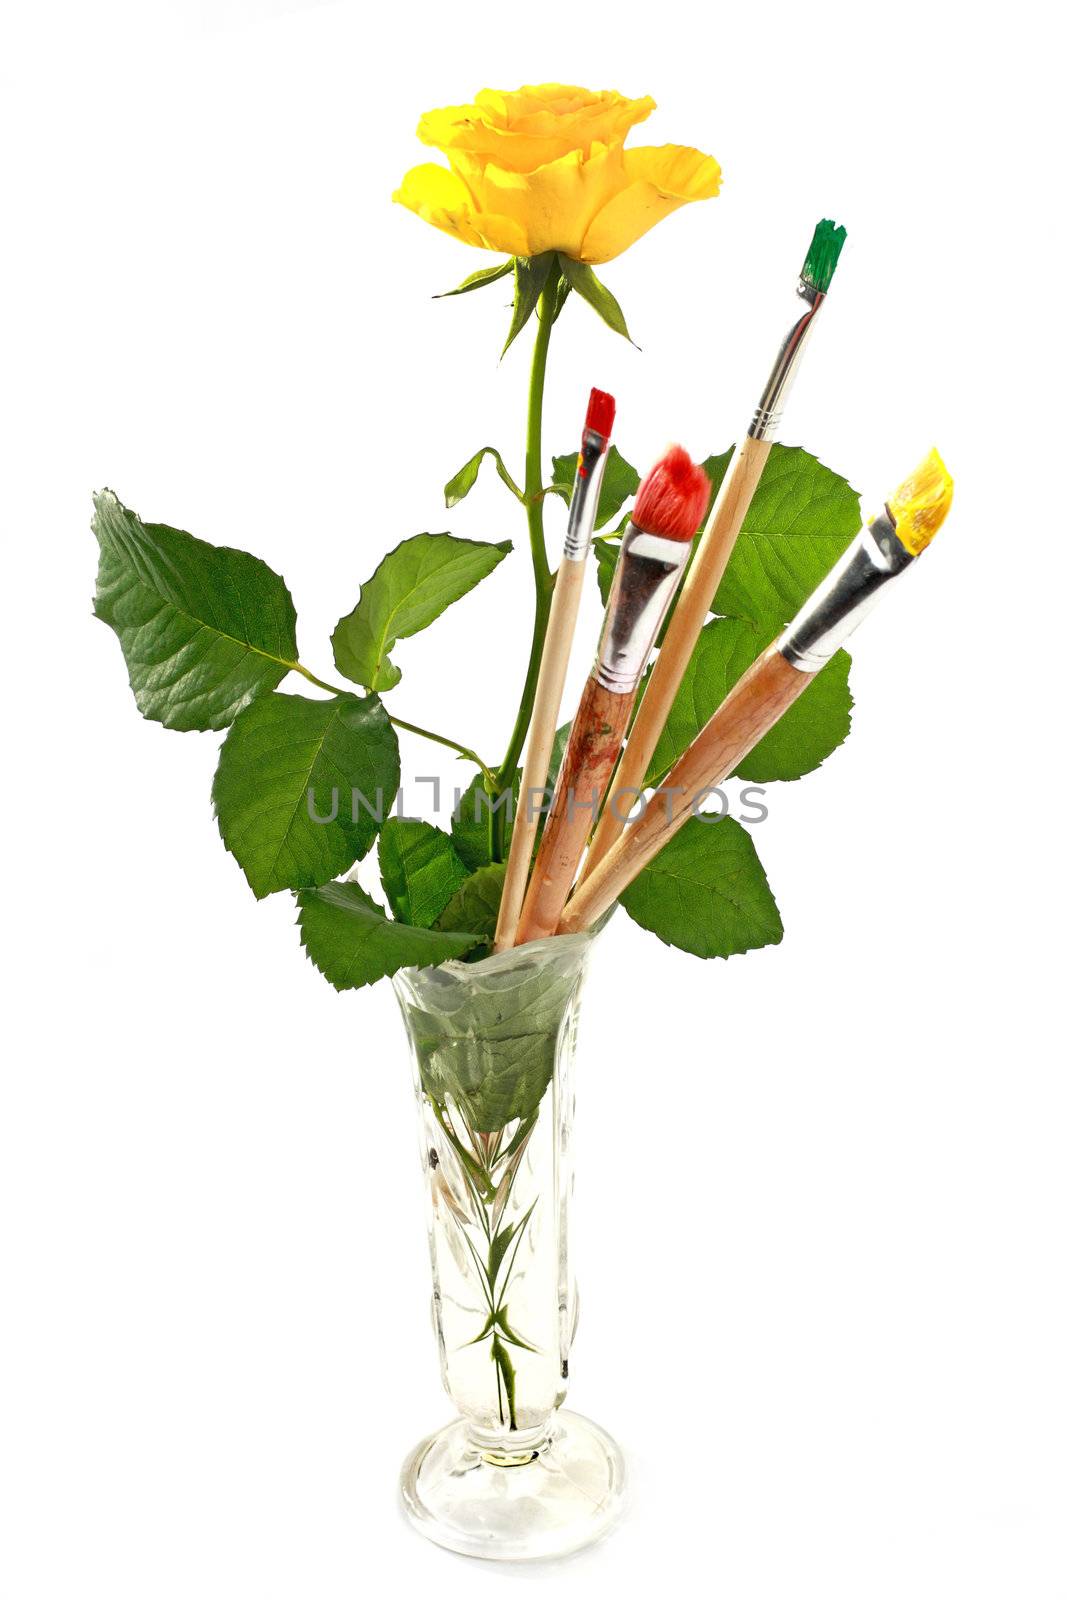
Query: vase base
[568,1495]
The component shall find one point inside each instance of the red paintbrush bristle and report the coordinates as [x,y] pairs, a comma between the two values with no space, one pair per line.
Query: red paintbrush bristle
[673,498]
[600,415]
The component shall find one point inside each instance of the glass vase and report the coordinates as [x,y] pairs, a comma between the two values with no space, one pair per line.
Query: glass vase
[513,1477]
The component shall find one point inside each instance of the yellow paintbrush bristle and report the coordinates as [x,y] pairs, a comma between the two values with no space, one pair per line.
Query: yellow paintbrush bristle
[921,504]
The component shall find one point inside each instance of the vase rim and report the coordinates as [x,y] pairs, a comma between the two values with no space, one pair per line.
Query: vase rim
[556,945]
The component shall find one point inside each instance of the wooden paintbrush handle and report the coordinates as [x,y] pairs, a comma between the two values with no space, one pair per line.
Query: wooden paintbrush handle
[566,596]
[753,705]
[592,748]
[690,614]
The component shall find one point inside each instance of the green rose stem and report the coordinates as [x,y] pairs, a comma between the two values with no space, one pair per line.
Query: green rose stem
[533,494]
[408,727]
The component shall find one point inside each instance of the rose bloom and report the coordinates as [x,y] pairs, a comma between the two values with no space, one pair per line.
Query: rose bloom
[545,168]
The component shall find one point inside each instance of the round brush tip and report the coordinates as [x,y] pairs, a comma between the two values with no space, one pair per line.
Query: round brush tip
[673,498]
[600,413]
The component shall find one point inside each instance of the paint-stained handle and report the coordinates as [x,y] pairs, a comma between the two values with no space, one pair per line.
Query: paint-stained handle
[753,705]
[598,731]
[690,614]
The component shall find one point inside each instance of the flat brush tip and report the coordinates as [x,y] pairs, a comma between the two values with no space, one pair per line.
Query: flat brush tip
[600,413]
[673,498]
[921,504]
[820,263]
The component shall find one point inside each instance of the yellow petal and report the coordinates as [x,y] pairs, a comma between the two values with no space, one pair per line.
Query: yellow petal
[658,179]
[522,129]
[543,109]
[448,123]
[441,198]
[675,169]
[555,204]
[544,168]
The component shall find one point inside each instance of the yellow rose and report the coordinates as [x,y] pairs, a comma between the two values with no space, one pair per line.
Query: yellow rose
[545,168]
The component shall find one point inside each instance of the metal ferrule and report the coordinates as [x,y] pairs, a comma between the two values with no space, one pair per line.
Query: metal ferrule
[647,574]
[764,424]
[585,496]
[849,590]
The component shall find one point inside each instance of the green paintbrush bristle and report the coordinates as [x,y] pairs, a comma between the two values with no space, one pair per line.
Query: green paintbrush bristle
[820,262]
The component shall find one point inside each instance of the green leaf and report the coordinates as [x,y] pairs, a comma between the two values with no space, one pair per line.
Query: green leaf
[493,1048]
[459,487]
[800,742]
[487,1328]
[352,941]
[476,903]
[607,554]
[472,823]
[620,482]
[801,518]
[706,892]
[472,820]
[415,582]
[584,281]
[498,1247]
[508,1332]
[204,628]
[531,275]
[715,471]
[284,756]
[478,280]
[420,870]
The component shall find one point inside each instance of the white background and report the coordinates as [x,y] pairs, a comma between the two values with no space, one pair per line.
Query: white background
[822,1188]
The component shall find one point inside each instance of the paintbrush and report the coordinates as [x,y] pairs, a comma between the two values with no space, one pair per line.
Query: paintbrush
[655,547]
[566,596]
[879,554]
[717,542]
